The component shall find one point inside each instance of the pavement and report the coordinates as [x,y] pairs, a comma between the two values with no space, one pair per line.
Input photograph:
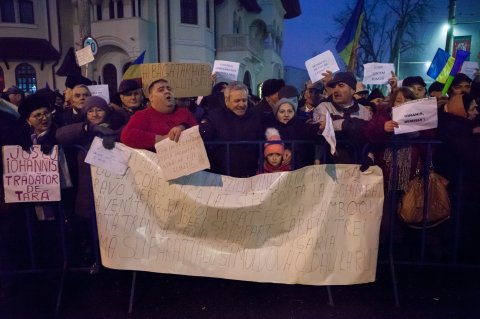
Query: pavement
[424,292]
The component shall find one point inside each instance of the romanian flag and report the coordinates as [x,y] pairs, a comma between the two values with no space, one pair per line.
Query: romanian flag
[134,71]
[348,42]
[444,67]
[441,66]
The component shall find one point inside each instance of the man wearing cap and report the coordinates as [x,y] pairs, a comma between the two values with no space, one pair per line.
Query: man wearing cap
[312,95]
[70,82]
[161,119]
[270,90]
[348,116]
[131,97]
[417,84]
[14,95]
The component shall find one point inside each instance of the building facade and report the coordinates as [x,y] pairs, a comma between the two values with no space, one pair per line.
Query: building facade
[36,37]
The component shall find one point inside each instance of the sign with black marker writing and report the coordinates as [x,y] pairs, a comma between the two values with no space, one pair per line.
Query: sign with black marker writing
[416,115]
[377,73]
[30,176]
[318,225]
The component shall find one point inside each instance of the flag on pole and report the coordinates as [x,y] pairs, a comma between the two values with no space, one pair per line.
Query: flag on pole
[457,66]
[134,70]
[441,66]
[348,42]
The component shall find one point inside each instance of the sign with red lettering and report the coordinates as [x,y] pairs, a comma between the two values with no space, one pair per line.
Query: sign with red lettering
[30,176]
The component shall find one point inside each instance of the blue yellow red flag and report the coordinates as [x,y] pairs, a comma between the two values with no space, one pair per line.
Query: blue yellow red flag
[348,42]
[134,70]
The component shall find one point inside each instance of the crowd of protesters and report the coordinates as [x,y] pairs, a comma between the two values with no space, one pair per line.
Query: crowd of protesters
[288,124]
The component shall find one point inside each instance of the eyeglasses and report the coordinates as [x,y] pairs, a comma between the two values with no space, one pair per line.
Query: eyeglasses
[39,116]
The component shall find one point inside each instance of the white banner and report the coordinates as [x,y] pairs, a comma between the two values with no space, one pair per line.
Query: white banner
[377,73]
[226,71]
[318,225]
[416,115]
[30,177]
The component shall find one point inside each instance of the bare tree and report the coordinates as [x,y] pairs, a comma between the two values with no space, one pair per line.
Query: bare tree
[389,28]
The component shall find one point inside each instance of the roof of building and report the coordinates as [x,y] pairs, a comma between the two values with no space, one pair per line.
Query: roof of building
[27,48]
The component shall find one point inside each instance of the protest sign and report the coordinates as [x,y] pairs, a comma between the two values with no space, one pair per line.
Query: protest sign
[100,90]
[30,177]
[114,160]
[469,68]
[226,71]
[319,64]
[84,56]
[184,157]
[185,79]
[377,73]
[329,133]
[318,225]
[416,115]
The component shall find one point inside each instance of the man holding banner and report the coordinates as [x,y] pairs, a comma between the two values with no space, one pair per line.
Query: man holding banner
[162,119]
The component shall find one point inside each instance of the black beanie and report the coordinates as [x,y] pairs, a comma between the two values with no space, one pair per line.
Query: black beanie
[272,86]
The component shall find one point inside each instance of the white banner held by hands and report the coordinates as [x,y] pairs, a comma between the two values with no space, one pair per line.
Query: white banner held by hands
[416,115]
[320,64]
[377,73]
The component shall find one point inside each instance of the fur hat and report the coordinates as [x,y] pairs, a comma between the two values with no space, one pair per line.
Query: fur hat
[272,134]
[95,101]
[272,86]
[73,80]
[344,77]
[128,85]
[412,80]
[284,100]
[31,103]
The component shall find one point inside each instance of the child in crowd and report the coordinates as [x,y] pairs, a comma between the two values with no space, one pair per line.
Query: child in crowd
[273,153]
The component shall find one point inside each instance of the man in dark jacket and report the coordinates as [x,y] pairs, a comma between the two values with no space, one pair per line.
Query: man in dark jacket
[237,121]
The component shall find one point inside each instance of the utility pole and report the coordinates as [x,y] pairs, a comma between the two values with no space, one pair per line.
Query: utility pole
[451,22]
[84,23]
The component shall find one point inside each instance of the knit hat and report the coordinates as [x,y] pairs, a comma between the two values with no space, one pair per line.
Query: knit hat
[435,87]
[95,101]
[31,103]
[272,134]
[284,100]
[344,77]
[128,85]
[412,80]
[272,86]
[73,80]
[459,78]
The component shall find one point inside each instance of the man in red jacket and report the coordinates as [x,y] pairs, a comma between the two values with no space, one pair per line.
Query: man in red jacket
[160,120]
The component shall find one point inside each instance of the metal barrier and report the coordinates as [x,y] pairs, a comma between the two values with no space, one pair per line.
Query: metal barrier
[389,244]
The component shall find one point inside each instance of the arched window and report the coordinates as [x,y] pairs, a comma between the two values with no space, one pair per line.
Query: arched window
[110,77]
[2,80]
[26,78]
[120,9]
[111,9]
[25,8]
[207,10]
[188,12]
[8,11]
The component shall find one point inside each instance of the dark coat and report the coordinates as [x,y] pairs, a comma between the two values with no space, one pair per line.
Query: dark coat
[221,124]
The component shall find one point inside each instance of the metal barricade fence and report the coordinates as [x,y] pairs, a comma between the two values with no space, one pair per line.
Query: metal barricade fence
[388,244]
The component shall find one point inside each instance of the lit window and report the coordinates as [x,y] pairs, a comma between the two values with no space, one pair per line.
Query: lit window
[26,78]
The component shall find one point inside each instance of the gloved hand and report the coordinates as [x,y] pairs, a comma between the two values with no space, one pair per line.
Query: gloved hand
[99,130]
[366,163]
[109,142]
[46,148]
